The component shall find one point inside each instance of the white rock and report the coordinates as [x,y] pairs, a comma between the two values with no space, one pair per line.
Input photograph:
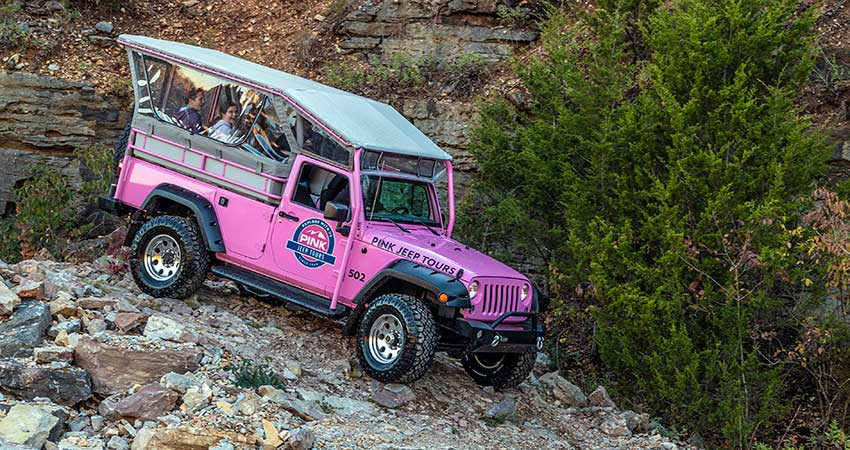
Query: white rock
[8,299]
[159,327]
[28,425]
[197,396]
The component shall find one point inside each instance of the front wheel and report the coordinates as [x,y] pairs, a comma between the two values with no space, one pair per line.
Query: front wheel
[396,339]
[169,257]
[500,370]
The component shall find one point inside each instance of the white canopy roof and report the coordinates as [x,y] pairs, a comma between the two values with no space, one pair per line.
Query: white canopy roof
[362,122]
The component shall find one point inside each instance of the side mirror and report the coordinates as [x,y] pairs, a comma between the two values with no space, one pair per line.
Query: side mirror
[336,212]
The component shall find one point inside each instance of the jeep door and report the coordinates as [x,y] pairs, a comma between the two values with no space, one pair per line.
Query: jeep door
[307,248]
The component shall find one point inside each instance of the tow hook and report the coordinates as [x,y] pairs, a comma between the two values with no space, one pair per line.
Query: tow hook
[539,342]
[496,340]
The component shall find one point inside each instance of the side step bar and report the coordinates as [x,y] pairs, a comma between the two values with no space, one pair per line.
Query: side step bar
[282,291]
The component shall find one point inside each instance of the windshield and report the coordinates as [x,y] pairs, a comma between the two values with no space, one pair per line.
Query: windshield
[397,200]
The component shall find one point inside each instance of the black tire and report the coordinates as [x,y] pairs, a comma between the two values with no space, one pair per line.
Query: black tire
[181,242]
[500,370]
[120,147]
[416,340]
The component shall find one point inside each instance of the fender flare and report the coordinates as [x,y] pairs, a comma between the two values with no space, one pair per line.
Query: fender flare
[201,208]
[424,277]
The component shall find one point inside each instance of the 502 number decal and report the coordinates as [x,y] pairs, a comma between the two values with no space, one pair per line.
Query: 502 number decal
[356,274]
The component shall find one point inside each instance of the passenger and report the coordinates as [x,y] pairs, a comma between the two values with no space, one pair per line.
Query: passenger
[189,116]
[223,129]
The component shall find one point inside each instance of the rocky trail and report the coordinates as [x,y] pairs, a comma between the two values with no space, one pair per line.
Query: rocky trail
[90,362]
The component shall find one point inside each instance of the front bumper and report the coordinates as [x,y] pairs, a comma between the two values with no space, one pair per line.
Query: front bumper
[488,338]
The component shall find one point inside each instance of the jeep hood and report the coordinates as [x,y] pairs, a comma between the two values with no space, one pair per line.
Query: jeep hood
[438,252]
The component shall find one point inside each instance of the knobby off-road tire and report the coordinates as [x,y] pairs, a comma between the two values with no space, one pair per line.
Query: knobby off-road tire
[500,370]
[169,258]
[396,339]
[120,147]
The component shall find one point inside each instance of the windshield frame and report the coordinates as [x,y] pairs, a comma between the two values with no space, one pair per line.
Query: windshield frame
[434,210]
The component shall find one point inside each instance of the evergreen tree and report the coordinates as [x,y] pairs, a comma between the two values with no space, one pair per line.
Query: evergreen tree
[663,161]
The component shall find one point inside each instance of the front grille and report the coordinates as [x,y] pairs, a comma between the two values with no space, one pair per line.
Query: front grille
[497,296]
[500,298]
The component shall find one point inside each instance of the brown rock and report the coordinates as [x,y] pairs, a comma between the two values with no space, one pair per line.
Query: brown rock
[186,439]
[63,386]
[31,290]
[150,402]
[66,308]
[599,397]
[55,353]
[114,369]
[96,303]
[128,321]
[393,395]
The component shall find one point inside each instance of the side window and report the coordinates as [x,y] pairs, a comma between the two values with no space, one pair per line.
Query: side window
[317,141]
[272,136]
[151,74]
[317,186]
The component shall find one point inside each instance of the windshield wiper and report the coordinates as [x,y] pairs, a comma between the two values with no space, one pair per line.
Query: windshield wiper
[398,225]
[422,222]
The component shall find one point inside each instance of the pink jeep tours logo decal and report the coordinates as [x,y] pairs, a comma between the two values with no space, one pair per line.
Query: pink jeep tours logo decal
[313,244]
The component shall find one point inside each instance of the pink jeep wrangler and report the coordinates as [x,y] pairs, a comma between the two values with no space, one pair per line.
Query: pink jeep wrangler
[317,198]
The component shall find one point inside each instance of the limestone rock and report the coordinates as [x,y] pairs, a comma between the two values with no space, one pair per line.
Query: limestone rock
[393,395]
[8,299]
[272,438]
[176,382]
[159,327]
[615,425]
[563,390]
[24,330]
[502,410]
[69,326]
[114,369]
[80,441]
[95,326]
[599,397]
[117,443]
[63,386]
[299,439]
[151,402]
[28,425]
[197,396]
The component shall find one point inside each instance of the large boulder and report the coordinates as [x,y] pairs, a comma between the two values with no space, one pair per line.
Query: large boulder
[24,330]
[563,390]
[67,386]
[27,425]
[114,368]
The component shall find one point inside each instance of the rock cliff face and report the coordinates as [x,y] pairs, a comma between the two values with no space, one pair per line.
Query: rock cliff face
[444,30]
[439,28]
[44,119]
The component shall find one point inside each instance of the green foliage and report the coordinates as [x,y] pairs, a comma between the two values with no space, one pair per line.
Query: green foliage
[402,74]
[10,248]
[97,170]
[44,208]
[663,162]
[248,374]
[12,36]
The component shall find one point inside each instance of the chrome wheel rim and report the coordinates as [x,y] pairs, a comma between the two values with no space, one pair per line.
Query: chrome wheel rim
[162,257]
[386,339]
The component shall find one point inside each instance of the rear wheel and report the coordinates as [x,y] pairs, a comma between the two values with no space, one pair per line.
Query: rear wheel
[500,370]
[397,339]
[169,257]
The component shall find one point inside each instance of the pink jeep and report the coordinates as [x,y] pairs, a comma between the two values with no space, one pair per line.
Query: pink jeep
[315,197]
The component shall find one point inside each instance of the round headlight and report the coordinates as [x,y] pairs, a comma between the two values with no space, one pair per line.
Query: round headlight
[523,293]
[473,289]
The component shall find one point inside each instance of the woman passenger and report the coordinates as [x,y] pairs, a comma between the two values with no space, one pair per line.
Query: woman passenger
[224,128]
